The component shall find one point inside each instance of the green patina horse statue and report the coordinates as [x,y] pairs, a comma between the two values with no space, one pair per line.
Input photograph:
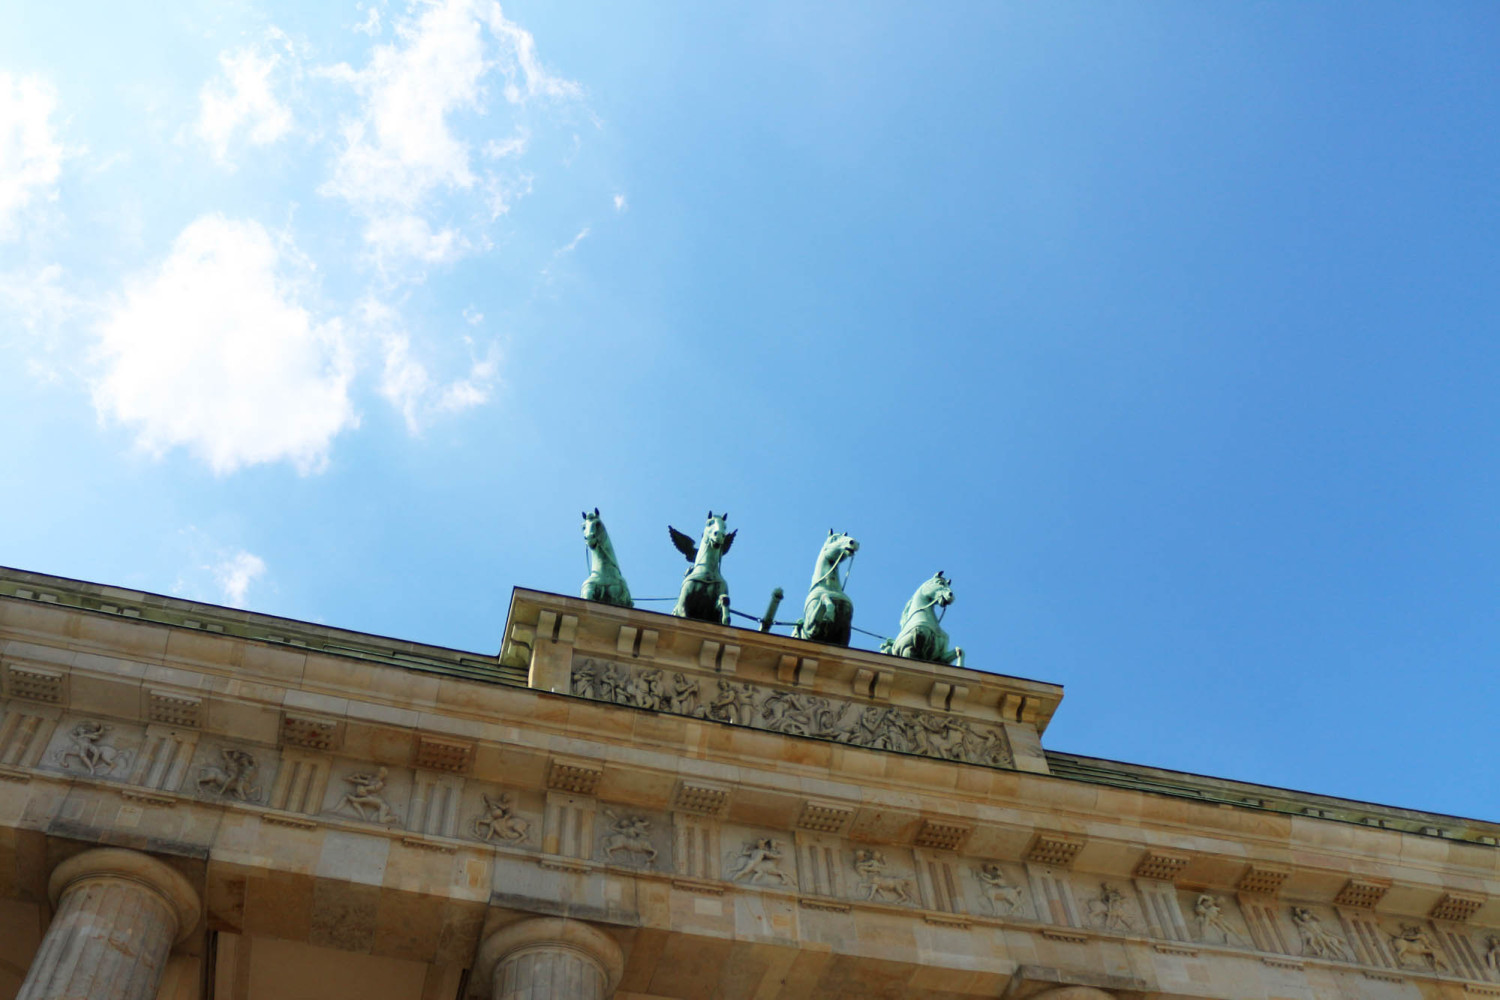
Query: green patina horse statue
[921,637]
[605,582]
[704,594]
[828,615]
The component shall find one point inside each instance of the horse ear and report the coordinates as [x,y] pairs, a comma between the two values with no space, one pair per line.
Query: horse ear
[596,511]
[710,515]
[830,531]
[584,515]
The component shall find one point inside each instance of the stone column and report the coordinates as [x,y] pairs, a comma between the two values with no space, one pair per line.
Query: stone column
[549,958]
[116,915]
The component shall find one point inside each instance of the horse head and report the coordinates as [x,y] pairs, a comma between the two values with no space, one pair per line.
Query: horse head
[593,529]
[716,533]
[838,545]
[939,590]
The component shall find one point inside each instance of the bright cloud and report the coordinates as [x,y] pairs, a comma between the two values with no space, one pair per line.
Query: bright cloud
[242,100]
[401,149]
[235,574]
[214,351]
[620,203]
[408,385]
[30,155]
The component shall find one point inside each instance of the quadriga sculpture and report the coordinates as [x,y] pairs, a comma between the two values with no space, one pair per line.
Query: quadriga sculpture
[828,615]
[605,583]
[704,594]
[921,637]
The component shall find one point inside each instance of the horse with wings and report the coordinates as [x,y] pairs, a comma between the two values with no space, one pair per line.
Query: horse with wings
[705,594]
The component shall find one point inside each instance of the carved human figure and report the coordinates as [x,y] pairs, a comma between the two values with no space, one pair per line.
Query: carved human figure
[365,797]
[922,636]
[1492,953]
[1317,940]
[630,834]
[605,582]
[1107,910]
[234,778]
[828,614]
[705,593]
[499,820]
[1413,947]
[682,696]
[89,749]
[760,861]
[999,890]
[875,877]
[1209,913]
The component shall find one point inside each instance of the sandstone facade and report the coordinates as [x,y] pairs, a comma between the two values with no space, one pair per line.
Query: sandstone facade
[199,802]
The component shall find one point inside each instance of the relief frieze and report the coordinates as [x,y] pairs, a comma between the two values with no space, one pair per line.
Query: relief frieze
[794,713]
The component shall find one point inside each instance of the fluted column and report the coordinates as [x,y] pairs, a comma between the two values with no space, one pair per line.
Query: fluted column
[117,914]
[549,958]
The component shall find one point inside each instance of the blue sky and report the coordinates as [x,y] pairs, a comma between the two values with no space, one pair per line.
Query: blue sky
[1168,331]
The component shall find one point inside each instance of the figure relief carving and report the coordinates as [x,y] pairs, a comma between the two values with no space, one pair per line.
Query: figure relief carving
[1107,910]
[796,713]
[828,614]
[875,878]
[90,751]
[1317,940]
[366,799]
[1492,953]
[500,820]
[1003,895]
[630,835]
[1413,948]
[705,593]
[233,778]
[1209,914]
[760,862]
[922,636]
[605,582]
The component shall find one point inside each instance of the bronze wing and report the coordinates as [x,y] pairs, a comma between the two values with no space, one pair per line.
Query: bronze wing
[684,544]
[728,541]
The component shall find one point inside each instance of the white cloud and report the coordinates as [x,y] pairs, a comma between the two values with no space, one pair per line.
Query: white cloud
[235,573]
[371,25]
[408,385]
[472,316]
[401,149]
[243,99]
[397,238]
[572,244]
[620,203]
[214,351]
[30,155]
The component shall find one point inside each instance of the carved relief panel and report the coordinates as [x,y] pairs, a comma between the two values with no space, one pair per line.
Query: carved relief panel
[998,889]
[633,838]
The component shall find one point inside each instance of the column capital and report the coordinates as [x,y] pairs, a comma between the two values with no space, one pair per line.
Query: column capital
[131,866]
[551,934]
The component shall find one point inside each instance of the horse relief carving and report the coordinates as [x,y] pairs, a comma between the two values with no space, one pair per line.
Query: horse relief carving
[705,593]
[605,582]
[922,636]
[1413,948]
[875,879]
[88,748]
[233,778]
[630,835]
[760,862]
[828,615]
[499,820]
[795,713]
[1003,895]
